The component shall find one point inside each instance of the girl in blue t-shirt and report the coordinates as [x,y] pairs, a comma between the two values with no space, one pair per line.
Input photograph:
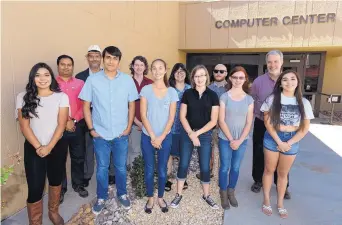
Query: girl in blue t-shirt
[158,109]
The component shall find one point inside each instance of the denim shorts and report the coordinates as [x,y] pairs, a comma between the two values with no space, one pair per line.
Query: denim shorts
[271,145]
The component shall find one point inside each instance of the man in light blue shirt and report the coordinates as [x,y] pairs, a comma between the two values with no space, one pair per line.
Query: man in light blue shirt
[112,95]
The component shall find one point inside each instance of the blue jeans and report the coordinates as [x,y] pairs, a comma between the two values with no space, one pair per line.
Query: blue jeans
[204,152]
[175,147]
[230,160]
[148,152]
[103,148]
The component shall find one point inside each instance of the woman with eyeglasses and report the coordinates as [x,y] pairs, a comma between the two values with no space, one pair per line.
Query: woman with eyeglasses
[287,118]
[198,115]
[179,80]
[235,120]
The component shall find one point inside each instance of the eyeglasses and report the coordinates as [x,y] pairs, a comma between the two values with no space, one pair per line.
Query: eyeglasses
[237,78]
[221,71]
[200,76]
[180,72]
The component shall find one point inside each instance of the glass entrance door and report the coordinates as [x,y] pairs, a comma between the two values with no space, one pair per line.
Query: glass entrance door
[310,66]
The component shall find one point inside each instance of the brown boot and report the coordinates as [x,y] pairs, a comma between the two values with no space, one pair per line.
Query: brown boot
[224,199]
[54,195]
[231,197]
[35,213]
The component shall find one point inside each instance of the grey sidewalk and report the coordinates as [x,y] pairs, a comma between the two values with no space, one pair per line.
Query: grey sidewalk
[71,204]
[315,185]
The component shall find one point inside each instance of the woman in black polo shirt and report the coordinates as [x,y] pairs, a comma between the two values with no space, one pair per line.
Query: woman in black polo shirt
[198,115]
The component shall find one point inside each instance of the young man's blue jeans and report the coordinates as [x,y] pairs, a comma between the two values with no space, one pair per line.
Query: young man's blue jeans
[204,152]
[230,160]
[148,152]
[103,148]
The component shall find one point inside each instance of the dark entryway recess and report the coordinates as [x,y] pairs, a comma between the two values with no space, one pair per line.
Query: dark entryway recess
[310,65]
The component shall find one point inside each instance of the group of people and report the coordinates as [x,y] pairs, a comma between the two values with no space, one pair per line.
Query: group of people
[116,117]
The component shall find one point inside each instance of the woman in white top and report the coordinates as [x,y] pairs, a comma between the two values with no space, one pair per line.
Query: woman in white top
[287,120]
[43,112]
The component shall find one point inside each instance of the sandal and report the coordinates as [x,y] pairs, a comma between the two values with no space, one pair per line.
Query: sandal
[165,208]
[185,185]
[283,213]
[148,210]
[168,186]
[267,210]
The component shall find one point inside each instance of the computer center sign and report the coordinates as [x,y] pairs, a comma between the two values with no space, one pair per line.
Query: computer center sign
[275,21]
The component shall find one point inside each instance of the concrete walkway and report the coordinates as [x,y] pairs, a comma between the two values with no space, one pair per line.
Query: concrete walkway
[315,185]
[71,204]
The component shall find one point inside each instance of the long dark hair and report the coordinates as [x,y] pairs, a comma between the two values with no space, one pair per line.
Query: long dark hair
[31,100]
[165,75]
[245,86]
[276,105]
[176,67]
[142,59]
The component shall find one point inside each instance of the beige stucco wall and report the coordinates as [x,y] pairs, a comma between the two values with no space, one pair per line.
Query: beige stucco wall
[33,32]
[198,31]
[332,81]
[199,34]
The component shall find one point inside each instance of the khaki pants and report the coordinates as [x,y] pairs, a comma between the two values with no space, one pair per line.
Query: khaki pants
[134,149]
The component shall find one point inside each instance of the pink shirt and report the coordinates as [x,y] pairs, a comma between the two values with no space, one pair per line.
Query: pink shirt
[72,88]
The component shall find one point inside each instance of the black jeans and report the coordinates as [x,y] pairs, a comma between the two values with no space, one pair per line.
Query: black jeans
[258,152]
[76,143]
[36,169]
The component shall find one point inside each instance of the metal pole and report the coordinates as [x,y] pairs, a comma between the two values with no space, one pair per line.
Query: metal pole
[332,113]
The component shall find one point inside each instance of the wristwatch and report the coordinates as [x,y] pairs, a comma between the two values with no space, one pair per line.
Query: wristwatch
[74,120]
[91,129]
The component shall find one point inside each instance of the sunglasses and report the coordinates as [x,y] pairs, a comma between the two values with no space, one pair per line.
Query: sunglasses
[221,71]
[237,78]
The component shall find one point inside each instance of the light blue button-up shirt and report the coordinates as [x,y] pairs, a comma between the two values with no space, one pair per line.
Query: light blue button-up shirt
[109,99]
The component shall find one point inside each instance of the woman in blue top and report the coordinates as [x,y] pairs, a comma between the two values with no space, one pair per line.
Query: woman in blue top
[235,120]
[158,109]
[287,118]
[179,80]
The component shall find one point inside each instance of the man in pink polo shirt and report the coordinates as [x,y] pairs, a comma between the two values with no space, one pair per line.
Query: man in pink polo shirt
[75,129]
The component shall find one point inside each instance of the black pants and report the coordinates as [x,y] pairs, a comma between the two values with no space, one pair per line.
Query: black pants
[36,169]
[258,152]
[76,143]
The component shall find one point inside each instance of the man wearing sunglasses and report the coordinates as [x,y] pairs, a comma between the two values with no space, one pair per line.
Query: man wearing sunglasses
[219,86]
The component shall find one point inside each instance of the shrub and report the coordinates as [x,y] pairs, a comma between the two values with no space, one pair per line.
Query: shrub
[137,177]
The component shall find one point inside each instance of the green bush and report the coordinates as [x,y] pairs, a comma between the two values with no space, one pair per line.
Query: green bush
[5,173]
[137,177]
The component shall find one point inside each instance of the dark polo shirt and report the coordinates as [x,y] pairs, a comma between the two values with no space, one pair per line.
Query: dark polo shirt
[199,109]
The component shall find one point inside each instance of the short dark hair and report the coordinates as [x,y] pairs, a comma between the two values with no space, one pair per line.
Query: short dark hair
[65,57]
[112,50]
[142,59]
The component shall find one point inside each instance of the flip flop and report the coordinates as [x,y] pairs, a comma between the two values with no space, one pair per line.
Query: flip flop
[267,210]
[283,213]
